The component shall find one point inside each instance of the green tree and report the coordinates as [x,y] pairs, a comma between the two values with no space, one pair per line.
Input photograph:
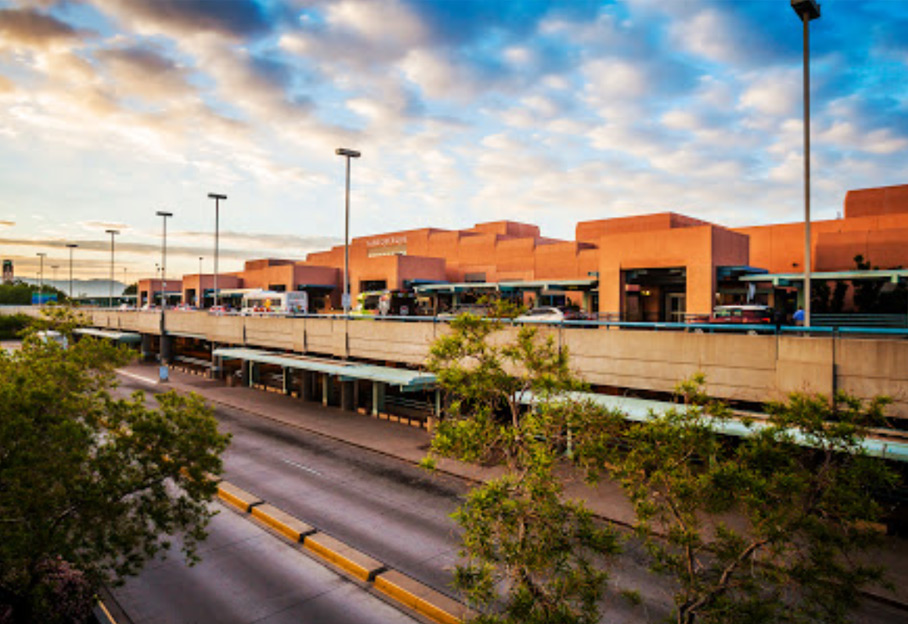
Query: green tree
[519,531]
[761,529]
[91,485]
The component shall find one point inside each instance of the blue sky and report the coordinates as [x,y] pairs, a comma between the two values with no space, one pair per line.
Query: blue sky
[465,111]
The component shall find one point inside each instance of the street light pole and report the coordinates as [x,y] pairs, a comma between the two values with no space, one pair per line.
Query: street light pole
[71,246]
[345,302]
[200,295]
[110,292]
[164,216]
[162,371]
[217,198]
[807,10]
[41,255]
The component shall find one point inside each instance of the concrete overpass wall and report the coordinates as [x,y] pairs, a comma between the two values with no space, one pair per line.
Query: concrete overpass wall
[742,367]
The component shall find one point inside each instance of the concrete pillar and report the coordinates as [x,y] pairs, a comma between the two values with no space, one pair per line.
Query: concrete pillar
[147,352]
[378,397]
[356,385]
[346,398]
[166,349]
[244,373]
[287,380]
[306,390]
[217,370]
[326,388]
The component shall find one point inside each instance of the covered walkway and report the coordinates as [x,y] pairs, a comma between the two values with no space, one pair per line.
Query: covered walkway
[324,370]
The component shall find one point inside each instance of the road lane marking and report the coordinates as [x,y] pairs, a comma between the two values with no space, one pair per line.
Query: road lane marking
[302,467]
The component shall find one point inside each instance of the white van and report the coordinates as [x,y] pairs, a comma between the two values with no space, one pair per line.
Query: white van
[272,302]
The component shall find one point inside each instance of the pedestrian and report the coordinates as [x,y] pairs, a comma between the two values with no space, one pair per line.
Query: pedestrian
[799,317]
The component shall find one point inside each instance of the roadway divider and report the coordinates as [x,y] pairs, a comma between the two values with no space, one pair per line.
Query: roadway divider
[282,522]
[421,598]
[238,497]
[360,565]
[402,589]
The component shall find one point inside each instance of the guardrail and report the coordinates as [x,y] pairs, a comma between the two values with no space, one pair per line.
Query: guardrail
[864,323]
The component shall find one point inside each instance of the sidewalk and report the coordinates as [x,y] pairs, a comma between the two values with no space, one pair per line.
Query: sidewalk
[411,444]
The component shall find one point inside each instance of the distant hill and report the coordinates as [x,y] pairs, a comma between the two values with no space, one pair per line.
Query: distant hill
[83,288]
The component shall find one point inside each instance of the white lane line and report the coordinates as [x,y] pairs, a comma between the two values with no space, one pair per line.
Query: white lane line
[301,467]
[148,380]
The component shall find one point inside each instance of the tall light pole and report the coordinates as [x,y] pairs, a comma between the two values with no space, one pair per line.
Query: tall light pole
[217,198]
[110,292]
[71,246]
[200,295]
[807,10]
[164,216]
[348,154]
[41,255]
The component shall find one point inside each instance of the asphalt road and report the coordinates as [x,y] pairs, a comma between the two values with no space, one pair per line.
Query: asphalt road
[398,513]
[248,575]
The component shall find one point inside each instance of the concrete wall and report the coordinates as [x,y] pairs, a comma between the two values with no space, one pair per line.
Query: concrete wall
[751,368]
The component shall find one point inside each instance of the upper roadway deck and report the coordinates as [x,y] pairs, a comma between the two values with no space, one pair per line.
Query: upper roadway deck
[737,366]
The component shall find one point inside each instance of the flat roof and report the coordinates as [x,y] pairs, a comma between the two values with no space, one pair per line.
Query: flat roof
[407,380]
[643,409]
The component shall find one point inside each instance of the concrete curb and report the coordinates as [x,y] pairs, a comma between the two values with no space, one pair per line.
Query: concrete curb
[401,589]
[421,598]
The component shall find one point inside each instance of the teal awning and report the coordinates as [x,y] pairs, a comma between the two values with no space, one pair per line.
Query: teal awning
[644,409]
[784,279]
[407,380]
[116,336]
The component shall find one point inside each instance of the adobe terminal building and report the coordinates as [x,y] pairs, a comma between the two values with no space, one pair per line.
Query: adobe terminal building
[657,267]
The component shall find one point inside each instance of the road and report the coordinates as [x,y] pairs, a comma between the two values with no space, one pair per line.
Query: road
[396,512]
[248,575]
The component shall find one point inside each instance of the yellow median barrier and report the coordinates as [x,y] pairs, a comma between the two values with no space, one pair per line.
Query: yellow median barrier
[360,565]
[237,497]
[421,598]
[282,522]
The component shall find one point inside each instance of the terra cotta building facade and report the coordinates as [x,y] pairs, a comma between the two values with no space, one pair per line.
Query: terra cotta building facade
[650,267]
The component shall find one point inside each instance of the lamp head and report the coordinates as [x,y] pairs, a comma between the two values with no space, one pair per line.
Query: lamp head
[112,232]
[809,9]
[216,196]
[349,153]
[163,213]
[71,245]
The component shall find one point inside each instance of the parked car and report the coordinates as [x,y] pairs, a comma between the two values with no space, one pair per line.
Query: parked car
[551,314]
[745,314]
[219,309]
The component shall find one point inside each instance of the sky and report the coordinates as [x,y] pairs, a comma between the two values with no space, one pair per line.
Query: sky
[465,111]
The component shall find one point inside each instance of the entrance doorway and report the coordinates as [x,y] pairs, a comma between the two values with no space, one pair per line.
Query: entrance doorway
[675,307]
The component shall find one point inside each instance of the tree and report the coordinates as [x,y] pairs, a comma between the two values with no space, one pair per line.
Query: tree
[132,289]
[519,532]
[762,529]
[91,485]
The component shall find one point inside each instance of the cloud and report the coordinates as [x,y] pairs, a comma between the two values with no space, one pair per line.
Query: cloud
[32,29]
[190,18]
[141,71]
[103,225]
[5,223]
